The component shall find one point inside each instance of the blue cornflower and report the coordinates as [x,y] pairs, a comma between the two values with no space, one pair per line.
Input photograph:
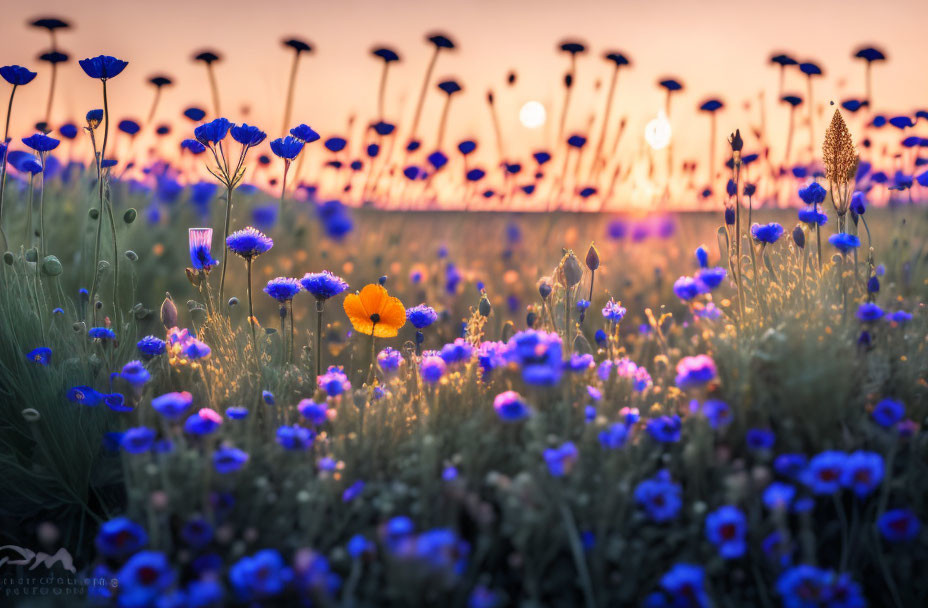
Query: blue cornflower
[135,373]
[116,402]
[353,491]
[268,397]
[660,497]
[103,66]
[213,131]
[335,144]
[863,472]
[579,362]
[869,312]
[41,355]
[421,316]
[249,243]
[197,532]
[283,289]
[899,525]
[812,216]
[137,440]
[614,311]
[510,407]
[316,413]
[84,395]
[437,159]
[295,437]
[390,360]
[129,127]
[287,147]
[432,368]
[538,354]
[859,203]
[204,422]
[358,545]
[613,436]
[702,257]
[779,495]
[576,141]
[304,133]
[17,75]
[718,413]
[888,412]
[767,233]
[686,288]
[41,142]
[228,460]
[456,352]
[813,194]
[695,371]
[101,333]
[823,475]
[172,405]
[686,584]
[200,241]
[790,465]
[247,135]
[726,528]
[561,459]
[145,577]
[334,381]
[844,242]
[803,586]
[760,439]
[193,146]
[323,285]
[665,429]
[120,537]
[467,146]
[237,412]
[260,576]
[195,114]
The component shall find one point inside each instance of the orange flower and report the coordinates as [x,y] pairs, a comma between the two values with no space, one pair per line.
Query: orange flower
[375,311]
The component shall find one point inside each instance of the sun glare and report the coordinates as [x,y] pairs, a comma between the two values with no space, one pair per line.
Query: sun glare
[532,115]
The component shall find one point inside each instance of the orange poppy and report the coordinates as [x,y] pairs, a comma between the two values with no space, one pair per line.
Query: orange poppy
[375,311]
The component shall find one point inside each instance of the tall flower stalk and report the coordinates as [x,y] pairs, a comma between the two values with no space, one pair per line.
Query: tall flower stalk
[323,286]
[42,144]
[17,76]
[299,47]
[104,67]
[248,244]
[736,145]
[212,135]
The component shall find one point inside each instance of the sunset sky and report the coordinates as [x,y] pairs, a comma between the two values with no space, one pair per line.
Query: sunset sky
[717,48]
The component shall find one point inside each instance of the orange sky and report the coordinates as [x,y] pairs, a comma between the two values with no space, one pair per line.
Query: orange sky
[716,47]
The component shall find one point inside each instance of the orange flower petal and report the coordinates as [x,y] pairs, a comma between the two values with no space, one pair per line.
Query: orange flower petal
[373,297]
[393,314]
[357,314]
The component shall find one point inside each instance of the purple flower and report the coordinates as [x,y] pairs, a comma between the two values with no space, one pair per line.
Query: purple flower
[868,312]
[41,355]
[432,368]
[665,429]
[888,412]
[685,583]
[249,243]
[172,405]
[823,475]
[283,289]
[323,285]
[120,537]
[863,472]
[135,373]
[295,437]
[137,440]
[767,233]
[695,371]
[228,460]
[421,316]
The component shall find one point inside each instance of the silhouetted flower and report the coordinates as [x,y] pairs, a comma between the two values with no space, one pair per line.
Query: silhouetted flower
[17,75]
[103,66]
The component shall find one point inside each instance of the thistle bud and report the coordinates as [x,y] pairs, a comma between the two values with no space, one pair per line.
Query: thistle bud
[873,284]
[8,258]
[568,80]
[544,289]
[571,270]
[382,280]
[799,237]
[32,254]
[130,215]
[530,319]
[484,307]
[731,188]
[749,189]
[168,312]
[592,257]
[730,216]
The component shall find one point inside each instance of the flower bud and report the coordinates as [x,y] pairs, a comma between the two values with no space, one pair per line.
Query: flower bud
[132,256]
[592,257]
[168,312]
[730,216]
[130,215]
[51,266]
[484,307]
[8,258]
[233,301]
[571,270]
[94,213]
[799,237]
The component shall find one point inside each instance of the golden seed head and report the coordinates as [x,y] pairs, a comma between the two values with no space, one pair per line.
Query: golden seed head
[839,154]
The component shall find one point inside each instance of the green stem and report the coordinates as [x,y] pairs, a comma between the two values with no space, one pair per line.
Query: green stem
[225,236]
[251,310]
[317,356]
[96,255]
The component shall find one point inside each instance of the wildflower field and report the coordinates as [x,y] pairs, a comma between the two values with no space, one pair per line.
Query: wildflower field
[229,379]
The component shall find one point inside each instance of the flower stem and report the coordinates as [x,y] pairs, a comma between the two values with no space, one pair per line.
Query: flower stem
[317,356]
[251,310]
[225,236]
